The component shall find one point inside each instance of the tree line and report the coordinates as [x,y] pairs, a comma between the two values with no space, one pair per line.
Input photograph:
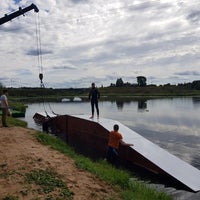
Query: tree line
[142,82]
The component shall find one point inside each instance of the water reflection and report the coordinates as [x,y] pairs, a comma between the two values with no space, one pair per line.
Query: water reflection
[196,101]
[142,104]
[120,104]
[172,123]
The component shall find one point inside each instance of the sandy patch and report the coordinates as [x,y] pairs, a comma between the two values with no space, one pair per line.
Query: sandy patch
[20,153]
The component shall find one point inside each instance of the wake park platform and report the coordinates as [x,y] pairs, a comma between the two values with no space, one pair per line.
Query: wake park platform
[93,133]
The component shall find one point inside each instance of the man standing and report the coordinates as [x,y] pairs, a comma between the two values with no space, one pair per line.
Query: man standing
[4,107]
[94,95]
[115,138]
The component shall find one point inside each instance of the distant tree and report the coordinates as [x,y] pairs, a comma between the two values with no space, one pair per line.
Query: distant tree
[1,86]
[141,80]
[127,84]
[119,82]
[168,84]
[112,85]
[196,85]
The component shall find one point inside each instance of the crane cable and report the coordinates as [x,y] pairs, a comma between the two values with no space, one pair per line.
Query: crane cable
[39,50]
[40,64]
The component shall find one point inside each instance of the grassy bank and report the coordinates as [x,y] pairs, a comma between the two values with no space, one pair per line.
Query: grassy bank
[119,179]
[107,93]
[15,122]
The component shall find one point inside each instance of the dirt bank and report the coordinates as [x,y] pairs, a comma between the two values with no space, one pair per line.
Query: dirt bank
[20,153]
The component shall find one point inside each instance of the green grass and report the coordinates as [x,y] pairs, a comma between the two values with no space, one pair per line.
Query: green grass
[15,122]
[49,183]
[121,179]
[10,197]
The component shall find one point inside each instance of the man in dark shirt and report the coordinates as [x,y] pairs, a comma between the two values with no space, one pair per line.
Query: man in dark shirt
[94,95]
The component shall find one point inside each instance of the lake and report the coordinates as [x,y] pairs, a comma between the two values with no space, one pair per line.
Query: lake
[171,123]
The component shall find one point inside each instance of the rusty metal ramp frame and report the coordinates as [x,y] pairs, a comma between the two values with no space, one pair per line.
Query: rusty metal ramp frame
[172,165]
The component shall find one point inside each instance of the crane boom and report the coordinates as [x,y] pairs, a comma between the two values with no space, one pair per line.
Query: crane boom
[21,11]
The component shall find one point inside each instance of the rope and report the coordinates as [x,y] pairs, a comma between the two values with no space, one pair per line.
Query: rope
[40,63]
[39,49]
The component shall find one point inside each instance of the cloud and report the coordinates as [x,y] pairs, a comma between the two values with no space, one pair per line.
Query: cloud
[194,17]
[10,29]
[35,52]
[78,1]
[102,40]
[188,73]
[63,68]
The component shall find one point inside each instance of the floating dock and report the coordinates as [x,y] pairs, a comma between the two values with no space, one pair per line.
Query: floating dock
[93,133]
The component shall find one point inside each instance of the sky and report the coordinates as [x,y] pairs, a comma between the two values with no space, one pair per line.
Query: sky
[77,42]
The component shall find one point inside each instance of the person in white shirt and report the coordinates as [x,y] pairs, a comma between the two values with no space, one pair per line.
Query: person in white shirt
[4,107]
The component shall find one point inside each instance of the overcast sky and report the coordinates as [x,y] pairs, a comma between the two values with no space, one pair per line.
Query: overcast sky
[84,41]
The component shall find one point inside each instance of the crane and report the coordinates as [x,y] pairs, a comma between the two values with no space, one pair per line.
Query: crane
[9,17]
[15,14]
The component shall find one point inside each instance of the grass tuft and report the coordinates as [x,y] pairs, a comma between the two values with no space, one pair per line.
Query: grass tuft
[49,182]
[10,197]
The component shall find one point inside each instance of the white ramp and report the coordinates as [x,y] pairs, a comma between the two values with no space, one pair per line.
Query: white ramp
[177,168]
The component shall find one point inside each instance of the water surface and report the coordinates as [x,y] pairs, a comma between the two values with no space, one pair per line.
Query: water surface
[171,123]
